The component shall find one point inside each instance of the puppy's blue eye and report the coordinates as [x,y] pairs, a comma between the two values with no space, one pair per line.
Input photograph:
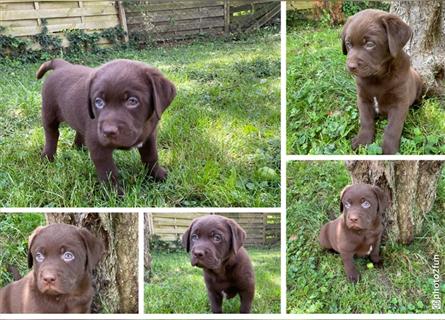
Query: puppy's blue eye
[348,44]
[369,45]
[347,204]
[132,102]
[194,237]
[39,257]
[99,103]
[68,256]
[366,205]
[217,237]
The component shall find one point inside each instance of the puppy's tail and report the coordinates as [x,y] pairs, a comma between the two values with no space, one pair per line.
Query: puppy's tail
[50,65]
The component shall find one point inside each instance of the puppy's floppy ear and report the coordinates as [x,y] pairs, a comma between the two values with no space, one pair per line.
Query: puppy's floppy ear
[94,248]
[186,237]
[163,91]
[31,239]
[343,36]
[238,235]
[342,194]
[383,198]
[90,102]
[397,31]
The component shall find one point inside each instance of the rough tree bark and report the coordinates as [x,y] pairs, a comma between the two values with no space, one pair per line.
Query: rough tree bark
[427,48]
[116,276]
[411,186]
[147,256]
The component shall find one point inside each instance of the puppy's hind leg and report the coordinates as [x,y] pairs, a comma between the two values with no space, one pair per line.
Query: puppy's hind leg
[51,127]
[324,238]
[79,141]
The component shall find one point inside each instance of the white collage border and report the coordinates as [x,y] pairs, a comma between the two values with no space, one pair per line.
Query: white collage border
[282,209]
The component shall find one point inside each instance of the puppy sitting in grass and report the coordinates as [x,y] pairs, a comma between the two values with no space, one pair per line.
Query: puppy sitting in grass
[358,230]
[387,85]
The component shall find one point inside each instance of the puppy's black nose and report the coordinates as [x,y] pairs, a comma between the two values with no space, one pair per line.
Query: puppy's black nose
[110,130]
[49,277]
[198,253]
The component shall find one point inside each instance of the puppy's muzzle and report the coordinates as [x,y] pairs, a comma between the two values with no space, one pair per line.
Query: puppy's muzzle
[353,221]
[49,283]
[118,133]
[202,257]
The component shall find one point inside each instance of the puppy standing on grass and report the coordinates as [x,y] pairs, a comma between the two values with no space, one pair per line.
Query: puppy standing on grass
[115,106]
[358,230]
[373,41]
[216,246]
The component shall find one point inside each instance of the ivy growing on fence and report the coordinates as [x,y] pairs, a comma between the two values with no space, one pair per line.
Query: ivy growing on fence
[44,46]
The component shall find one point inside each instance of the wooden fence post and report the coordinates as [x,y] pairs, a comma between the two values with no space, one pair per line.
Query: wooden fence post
[123,19]
[226,16]
[37,7]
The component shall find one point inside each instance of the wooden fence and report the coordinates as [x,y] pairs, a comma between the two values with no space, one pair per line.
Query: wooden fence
[162,19]
[24,17]
[167,20]
[262,229]
[300,4]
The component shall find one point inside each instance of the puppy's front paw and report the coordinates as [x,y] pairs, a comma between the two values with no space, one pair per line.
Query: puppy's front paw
[158,173]
[353,276]
[377,261]
[47,156]
[390,148]
[361,139]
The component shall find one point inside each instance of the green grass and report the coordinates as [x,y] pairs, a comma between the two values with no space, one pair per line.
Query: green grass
[219,140]
[14,232]
[177,287]
[322,117]
[316,282]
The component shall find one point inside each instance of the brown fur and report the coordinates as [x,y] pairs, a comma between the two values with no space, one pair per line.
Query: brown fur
[373,41]
[216,245]
[134,95]
[358,230]
[55,285]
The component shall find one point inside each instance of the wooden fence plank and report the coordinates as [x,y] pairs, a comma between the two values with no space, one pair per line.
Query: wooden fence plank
[57,13]
[176,15]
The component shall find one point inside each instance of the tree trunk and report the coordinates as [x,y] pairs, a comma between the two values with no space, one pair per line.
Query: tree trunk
[427,47]
[411,186]
[116,276]
[147,256]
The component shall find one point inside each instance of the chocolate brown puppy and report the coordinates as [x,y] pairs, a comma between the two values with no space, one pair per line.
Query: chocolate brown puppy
[62,257]
[115,106]
[358,230]
[216,245]
[387,85]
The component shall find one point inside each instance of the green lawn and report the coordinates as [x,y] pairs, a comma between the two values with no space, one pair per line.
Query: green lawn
[322,117]
[14,232]
[219,140]
[177,287]
[316,282]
